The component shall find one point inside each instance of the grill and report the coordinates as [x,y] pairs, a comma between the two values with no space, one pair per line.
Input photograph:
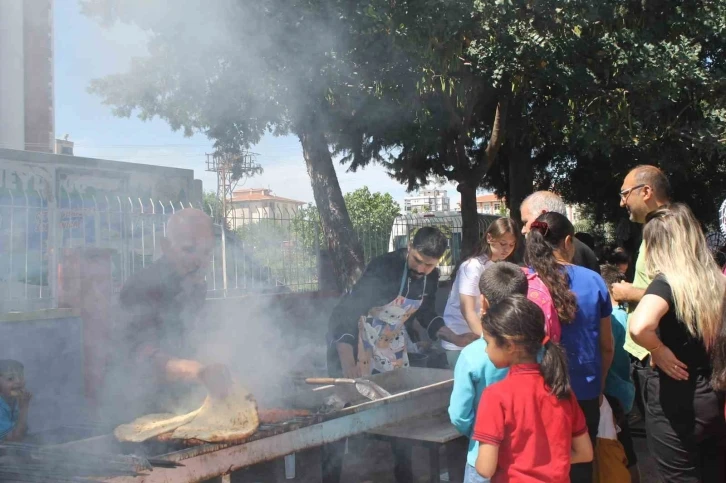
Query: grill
[416,392]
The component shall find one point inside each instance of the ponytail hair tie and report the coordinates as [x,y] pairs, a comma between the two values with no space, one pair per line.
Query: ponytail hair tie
[541,226]
[545,340]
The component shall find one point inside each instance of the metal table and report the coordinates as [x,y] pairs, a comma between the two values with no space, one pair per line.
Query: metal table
[431,431]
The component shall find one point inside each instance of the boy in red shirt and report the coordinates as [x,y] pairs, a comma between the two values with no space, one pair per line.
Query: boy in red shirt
[529,426]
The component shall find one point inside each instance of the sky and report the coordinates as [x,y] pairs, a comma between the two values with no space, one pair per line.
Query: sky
[84,50]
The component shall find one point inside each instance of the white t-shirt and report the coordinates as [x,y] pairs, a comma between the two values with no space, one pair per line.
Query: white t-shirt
[466,283]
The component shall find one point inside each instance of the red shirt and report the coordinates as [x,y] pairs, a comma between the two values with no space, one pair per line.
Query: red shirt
[532,428]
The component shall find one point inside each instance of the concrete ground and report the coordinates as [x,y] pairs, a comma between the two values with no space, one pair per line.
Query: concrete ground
[370,461]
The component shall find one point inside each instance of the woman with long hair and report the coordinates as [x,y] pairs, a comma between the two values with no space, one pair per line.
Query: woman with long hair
[680,321]
[583,306]
[463,307]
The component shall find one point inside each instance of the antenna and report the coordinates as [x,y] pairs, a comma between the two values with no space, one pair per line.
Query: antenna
[230,168]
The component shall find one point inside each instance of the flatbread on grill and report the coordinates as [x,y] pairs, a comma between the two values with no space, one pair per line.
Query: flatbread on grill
[219,420]
[230,418]
[151,426]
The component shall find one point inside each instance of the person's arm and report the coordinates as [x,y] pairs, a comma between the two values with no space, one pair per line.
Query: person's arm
[468,310]
[625,292]
[462,409]
[487,459]
[489,431]
[20,430]
[607,348]
[461,340]
[642,326]
[581,451]
[343,325]
[467,281]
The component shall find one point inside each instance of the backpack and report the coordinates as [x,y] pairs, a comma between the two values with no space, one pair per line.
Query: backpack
[540,294]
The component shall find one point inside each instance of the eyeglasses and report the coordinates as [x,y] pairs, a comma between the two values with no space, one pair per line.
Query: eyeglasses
[626,193]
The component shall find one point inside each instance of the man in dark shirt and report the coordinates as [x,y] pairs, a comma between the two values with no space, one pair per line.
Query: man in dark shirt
[543,202]
[159,305]
[389,281]
[367,330]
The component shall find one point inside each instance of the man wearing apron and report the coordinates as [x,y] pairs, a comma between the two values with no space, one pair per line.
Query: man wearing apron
[367,328]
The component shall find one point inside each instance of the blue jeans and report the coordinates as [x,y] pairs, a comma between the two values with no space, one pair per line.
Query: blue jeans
[471,476]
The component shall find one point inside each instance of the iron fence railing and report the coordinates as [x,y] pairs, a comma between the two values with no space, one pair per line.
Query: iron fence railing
[265,249]
[41,240]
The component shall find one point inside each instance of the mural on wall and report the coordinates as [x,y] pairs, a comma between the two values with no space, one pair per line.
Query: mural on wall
[120,210]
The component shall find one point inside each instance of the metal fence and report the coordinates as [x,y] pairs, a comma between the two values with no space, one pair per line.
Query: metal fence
[41,240]
[264,250]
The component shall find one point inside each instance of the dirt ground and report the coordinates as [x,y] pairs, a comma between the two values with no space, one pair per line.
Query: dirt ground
[370,461]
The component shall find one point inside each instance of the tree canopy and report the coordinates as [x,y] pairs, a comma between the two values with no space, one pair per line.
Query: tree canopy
[503,94]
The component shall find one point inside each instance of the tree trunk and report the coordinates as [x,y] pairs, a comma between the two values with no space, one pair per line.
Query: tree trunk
[345,250]
[469,219]
[521,176]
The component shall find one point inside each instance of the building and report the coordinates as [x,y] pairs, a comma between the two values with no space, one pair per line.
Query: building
[427,201]
[491,204]
[27,117]
[64,146]
[254,204]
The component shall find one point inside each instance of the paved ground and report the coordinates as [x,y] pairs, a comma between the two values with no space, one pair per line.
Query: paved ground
[371,462]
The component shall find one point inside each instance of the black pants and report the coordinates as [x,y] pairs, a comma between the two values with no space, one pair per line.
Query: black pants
[685,428]
[582,472]
[332,462]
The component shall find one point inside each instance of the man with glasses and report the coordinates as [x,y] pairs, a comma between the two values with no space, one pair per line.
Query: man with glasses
[644,190]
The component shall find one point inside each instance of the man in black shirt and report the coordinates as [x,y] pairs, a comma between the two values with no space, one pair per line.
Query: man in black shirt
[367,330]
[543,202]
[151,367]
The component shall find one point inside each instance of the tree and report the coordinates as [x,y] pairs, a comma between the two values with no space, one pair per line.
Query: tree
[371,211]
[212,206]
[372,215]
[604,86]
[423,110]
[236,70]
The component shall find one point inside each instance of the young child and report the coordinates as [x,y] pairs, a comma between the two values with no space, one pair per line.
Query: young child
[619,386]
[529,426]
[474,371]
[14,401]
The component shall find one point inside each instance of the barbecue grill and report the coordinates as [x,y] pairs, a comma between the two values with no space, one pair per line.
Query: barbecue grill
[415,392]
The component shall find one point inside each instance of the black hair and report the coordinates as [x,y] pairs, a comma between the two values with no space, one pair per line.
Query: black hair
[501,280]
[518,320]
[611,274]
[430,242]
[618,256]
[586,238]
[542,240]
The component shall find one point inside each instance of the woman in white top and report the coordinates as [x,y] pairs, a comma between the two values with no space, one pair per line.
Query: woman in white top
[464,305]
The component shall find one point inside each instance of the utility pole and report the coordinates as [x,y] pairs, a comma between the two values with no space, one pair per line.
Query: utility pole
[230,168]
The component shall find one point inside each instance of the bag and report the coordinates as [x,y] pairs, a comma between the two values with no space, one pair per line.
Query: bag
[540,294]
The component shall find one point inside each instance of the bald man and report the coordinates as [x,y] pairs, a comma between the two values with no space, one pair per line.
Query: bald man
[541,202]
[160,304]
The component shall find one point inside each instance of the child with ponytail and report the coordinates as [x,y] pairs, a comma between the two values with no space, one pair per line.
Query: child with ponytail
[529,426]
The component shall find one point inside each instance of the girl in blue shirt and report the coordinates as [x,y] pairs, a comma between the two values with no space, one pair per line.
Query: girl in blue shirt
[583,306]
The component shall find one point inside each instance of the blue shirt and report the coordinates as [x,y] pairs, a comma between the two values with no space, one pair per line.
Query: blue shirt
[618,382]
[473,372]
[581,337]
[8,418]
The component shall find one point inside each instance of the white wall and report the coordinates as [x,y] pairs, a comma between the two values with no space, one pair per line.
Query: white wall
[12,77]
